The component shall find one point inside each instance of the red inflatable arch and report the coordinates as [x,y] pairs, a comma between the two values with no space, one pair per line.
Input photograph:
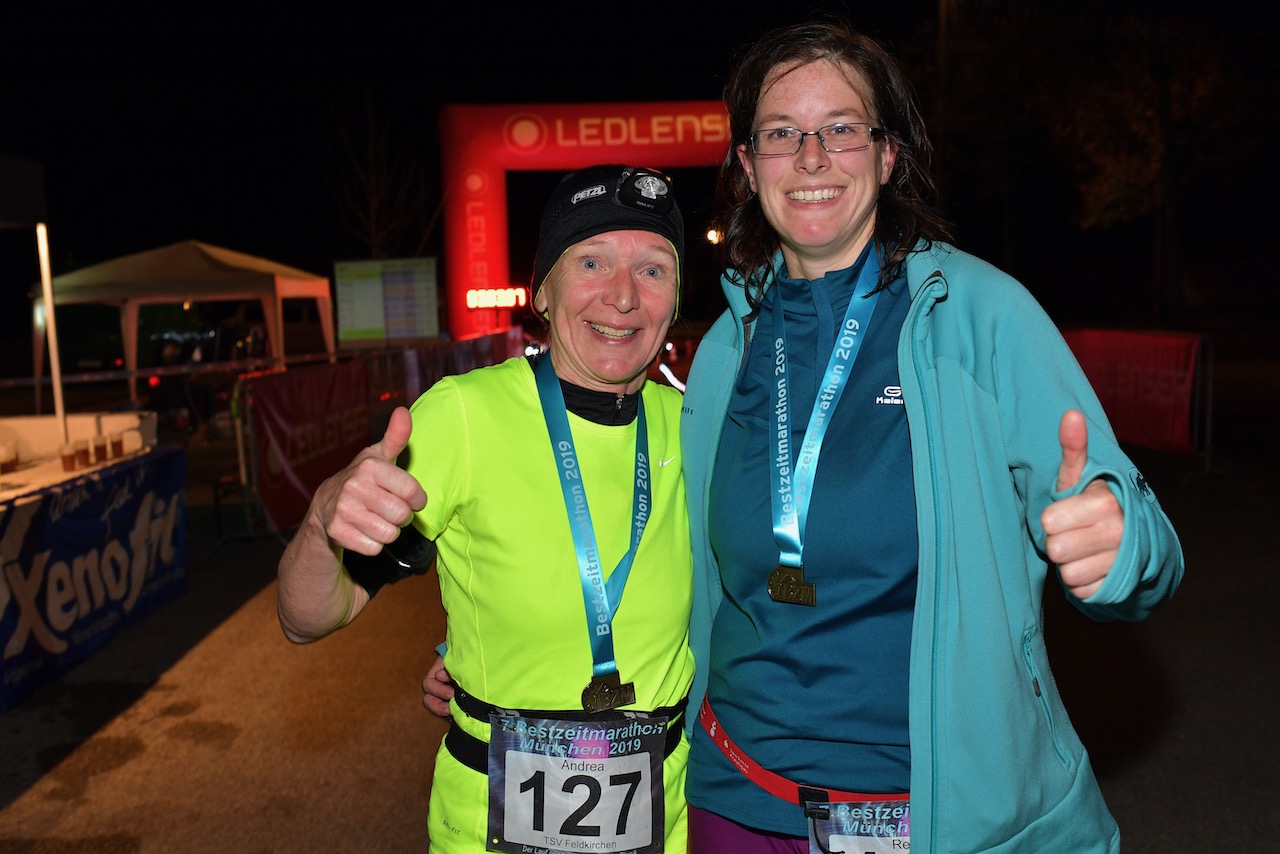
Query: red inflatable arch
[481,144]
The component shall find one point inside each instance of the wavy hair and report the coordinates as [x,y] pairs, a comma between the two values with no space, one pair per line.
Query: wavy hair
[906,211]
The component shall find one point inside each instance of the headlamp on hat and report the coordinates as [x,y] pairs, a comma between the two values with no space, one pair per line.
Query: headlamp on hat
[598,199]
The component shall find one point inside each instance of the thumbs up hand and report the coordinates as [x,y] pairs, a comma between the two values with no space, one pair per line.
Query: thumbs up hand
[363,507]
[1083,531]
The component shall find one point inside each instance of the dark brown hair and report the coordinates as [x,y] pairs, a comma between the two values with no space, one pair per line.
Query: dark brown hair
[906,210]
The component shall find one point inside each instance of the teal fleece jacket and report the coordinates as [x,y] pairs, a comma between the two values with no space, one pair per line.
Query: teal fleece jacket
[995,763]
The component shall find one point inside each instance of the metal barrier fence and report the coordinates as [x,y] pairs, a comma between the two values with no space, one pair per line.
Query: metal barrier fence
[1156,386]
[293,429]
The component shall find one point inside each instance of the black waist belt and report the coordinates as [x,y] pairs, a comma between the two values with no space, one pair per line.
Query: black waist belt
[474,753]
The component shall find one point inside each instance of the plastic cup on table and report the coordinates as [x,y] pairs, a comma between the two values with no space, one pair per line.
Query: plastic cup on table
[68,453]
[83,458]
[100,448]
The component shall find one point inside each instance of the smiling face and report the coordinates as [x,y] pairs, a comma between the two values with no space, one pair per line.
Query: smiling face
[822,205]
[609,301]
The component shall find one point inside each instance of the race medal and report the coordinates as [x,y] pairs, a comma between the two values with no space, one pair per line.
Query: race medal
[599,597]
[787,585]
[792,484]
[571,786]
[607,692]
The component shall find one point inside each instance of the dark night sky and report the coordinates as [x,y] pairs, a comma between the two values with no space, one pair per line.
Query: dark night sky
[195,121]
[222,127]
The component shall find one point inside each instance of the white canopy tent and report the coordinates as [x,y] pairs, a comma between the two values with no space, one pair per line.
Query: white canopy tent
[187,271]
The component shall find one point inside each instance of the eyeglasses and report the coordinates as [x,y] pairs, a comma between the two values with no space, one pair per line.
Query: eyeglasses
[776,142]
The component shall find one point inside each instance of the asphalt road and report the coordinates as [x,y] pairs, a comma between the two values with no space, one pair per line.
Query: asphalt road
[202,729]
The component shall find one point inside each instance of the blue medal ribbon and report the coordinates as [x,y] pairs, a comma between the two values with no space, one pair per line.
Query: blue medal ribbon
[601,598]
[793,484]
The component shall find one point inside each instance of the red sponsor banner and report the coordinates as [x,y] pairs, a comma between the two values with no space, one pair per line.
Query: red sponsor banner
[480,144]
[1145,381]
[309,424]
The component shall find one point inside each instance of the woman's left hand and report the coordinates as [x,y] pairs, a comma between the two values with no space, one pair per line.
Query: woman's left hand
[437,689]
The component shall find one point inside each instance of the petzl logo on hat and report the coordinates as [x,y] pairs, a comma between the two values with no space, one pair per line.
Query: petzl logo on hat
[589,193]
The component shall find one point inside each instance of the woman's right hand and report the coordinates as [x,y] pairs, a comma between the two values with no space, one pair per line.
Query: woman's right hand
[363,507]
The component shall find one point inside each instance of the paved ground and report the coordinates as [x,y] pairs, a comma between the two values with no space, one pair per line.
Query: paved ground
[202,730]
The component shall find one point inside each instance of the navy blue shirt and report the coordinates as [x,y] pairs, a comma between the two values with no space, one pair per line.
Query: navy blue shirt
[816,694]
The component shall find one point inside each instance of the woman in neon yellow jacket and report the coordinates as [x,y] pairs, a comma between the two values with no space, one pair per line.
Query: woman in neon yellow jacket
[533,480]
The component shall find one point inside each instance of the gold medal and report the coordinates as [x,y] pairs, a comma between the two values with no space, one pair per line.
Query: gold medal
[607,692]
[787,585]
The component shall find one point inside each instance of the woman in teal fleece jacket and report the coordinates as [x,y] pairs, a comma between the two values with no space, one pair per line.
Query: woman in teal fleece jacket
[1009,468]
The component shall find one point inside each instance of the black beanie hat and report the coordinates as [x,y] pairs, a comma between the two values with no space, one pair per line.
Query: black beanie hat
[597,199]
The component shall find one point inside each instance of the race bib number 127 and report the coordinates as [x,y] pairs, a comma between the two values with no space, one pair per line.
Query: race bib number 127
[574,786]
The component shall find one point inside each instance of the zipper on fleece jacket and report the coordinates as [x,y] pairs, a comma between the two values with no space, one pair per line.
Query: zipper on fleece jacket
[1033,672]
[920,305]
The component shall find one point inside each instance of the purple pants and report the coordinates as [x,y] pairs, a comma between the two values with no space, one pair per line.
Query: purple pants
[711,834]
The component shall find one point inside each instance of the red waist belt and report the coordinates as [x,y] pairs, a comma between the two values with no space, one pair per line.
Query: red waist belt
[776,784]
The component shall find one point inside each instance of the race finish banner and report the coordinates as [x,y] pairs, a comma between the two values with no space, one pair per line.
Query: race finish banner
[309,424]
[1145,382]
[84,559]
